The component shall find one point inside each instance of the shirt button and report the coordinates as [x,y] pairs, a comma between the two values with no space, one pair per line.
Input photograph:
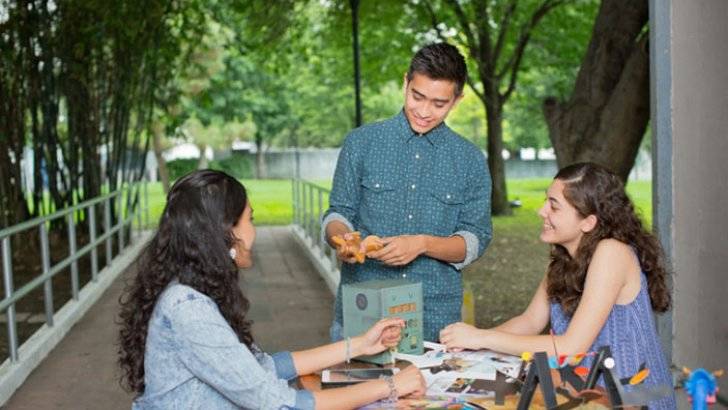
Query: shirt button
[376,185]
[413,186]
[417,156]
[404,275]
[447,196]
[409,216]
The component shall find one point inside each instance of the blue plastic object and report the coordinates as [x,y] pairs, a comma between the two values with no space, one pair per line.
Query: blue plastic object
[701,387]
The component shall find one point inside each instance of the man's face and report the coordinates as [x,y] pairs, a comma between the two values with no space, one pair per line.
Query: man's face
[427,102]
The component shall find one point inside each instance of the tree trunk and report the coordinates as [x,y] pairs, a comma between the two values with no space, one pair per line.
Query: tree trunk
[357,73]
[607,115]
[157,132]
[499,197]
[202,162]
[260,171]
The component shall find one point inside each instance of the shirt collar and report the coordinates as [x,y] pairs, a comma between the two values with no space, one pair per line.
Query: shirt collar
[433,136]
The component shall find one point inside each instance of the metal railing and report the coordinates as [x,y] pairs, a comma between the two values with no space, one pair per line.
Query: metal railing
[308,209]
[125,218]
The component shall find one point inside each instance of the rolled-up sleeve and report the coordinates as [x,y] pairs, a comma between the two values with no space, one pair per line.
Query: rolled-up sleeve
[212,352]
[345,191]
[285,368]
[305,400]
[474,223]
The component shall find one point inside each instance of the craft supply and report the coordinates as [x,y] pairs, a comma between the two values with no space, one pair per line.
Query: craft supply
[366,303]
[350,245]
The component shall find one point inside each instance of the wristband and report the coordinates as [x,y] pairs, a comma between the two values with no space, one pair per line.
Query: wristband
[392,398]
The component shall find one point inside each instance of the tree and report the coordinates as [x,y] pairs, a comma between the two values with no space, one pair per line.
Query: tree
[357,75]
[495,37]
[606,116]
[80,83]
[242,90]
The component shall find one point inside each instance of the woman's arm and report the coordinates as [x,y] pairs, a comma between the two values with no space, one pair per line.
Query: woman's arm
[383,334]
[606,277]
[406,382]
[531,322]
[534,319]
[351,397]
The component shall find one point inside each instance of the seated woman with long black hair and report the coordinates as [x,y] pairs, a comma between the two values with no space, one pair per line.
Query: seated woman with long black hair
[185,341]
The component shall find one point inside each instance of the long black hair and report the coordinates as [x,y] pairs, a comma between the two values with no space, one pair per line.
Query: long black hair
[191,245]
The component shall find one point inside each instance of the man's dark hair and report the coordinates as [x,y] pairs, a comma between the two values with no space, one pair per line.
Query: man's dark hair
[440,61]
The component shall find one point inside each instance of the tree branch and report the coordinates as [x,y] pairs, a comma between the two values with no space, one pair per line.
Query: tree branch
[434,21]
[485,54]
[514,63]
[477,92]
[473,44]
[504,25]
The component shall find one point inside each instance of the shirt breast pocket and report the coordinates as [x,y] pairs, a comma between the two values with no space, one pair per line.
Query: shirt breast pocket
[380,205]
[445,206]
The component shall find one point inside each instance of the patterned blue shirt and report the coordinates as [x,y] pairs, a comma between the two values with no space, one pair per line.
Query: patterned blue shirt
[392,181]
[194,360]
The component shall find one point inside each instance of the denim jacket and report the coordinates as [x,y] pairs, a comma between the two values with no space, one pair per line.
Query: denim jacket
[194,360]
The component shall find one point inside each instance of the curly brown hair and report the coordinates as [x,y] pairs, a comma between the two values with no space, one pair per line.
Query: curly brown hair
[594,190]
[191,245]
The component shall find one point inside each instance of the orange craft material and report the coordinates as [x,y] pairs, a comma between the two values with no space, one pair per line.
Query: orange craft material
[639,377]
[581,371]
[351,245]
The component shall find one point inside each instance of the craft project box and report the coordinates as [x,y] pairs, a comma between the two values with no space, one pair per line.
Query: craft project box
[365,303]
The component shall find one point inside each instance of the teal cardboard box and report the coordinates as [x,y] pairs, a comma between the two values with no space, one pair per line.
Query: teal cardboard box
[365,303]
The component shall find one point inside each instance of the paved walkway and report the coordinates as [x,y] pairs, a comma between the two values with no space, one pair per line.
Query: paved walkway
[291,307]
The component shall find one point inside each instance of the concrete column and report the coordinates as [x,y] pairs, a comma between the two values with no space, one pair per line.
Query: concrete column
[689,52]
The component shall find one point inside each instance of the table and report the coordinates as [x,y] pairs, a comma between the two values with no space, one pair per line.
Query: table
[313,382]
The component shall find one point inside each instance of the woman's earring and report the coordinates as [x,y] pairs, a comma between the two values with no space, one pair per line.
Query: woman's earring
[233,253]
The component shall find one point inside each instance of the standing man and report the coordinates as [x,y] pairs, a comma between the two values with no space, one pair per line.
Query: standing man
[421,187]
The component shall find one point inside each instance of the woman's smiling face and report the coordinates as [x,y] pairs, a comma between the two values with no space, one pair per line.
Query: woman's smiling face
[562,223]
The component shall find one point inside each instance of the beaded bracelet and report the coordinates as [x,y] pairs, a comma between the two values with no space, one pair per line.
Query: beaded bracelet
[392,398]
[348,350]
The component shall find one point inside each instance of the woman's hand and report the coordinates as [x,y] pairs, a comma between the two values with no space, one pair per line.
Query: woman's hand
[459,336]
[383,335]
[410,382]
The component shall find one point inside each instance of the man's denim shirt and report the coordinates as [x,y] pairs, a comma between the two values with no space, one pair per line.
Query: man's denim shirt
[194,360]
[391,181]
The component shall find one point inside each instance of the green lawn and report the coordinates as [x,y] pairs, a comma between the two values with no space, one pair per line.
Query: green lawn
[271,200]
[502,281]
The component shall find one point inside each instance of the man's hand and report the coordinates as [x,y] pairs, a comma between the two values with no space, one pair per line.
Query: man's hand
[400,250]
[350,248]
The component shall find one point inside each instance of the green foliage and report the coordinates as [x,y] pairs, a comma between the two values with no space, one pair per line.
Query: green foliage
[287,67]
[79,77]
[180,167]
[468,119]
[550,66]
[238,166]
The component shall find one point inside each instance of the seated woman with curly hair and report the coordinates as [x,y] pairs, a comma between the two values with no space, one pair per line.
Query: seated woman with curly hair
[605,278]
[185,341]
